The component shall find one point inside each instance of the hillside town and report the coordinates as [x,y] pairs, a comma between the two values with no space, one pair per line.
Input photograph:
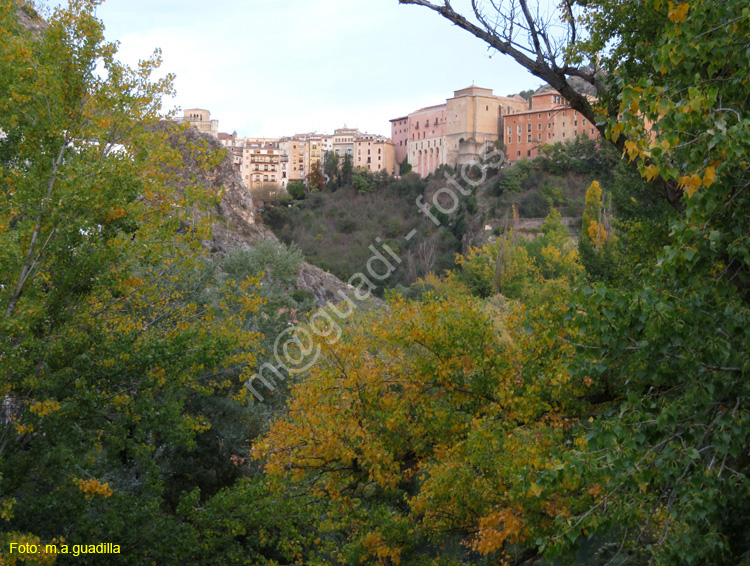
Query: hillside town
[470,123]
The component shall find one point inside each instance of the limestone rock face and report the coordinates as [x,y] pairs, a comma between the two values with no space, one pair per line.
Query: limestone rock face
[29,18]
[235,224]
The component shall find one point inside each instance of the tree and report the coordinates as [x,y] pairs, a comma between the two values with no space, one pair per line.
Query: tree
[315,179]
[672,97]
[431,421]
[331,168]
[267,193]
[347,170]
[113,326]
[527,94]
[296,190]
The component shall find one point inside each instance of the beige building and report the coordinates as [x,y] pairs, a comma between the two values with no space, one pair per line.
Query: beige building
[343,141]
[474,118]
[454,133]
[261,163]
[376,153]
[200,119]
[294,156]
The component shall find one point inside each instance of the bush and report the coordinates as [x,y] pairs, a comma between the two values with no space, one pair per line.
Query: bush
[533,205]
[296,190]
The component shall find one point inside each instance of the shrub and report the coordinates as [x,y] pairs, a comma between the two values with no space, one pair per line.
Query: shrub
[296,190]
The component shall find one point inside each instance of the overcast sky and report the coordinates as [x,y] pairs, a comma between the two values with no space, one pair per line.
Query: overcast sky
[278,67]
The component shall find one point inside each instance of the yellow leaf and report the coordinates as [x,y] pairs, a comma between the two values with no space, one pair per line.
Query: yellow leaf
[632,148]
[690,184]
[709,176]
[535,490]
[678,12]
[651,171]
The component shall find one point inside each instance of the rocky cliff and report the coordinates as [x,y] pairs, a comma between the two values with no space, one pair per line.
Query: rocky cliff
[235,225]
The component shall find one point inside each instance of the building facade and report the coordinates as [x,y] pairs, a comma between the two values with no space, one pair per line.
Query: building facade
[261,163]
[400,137]
[294,158]
[474,121]
[200,119]
[457,132]
[426,141]
[375,153]
[550,120]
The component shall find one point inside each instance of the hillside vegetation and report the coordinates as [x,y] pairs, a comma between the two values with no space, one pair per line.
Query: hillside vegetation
[172,385]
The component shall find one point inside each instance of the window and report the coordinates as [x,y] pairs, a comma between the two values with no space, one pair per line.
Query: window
[265,177]
[575,123]
[510,139]
[487,108]
[510,129]
[539,136]
[539,126]
[563,114]
[519,128]
[529,137]
[592,131]
[519,139]
[563,124]
[528,153]
[519,154]
[529,128]
[584,121]
[563,134]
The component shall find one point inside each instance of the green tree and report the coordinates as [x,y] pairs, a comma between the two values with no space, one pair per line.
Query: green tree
[296,190]
[347,171]
[331,168]
[665,451]
[113,326]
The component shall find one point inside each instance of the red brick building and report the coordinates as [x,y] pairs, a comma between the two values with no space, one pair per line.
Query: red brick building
[550,120]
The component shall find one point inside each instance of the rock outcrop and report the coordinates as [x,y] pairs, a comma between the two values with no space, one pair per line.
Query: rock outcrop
[30,19]
[235,225]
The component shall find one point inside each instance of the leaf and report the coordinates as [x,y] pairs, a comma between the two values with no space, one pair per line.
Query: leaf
[709,176]
[678,12]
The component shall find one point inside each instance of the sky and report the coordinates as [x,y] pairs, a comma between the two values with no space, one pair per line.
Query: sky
[270,68]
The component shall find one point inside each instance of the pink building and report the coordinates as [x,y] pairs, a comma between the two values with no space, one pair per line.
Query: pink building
[400,137]
[427,139]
